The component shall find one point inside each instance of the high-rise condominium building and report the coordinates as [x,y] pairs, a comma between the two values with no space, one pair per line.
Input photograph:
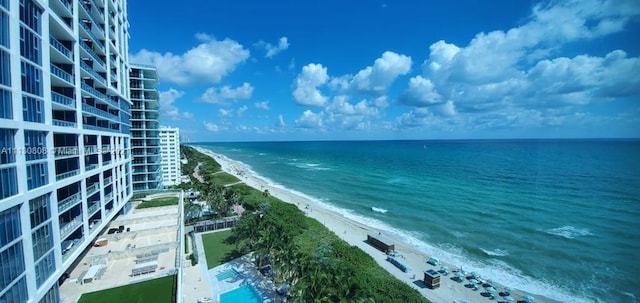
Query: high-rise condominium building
[170,151]
[64,136]
[145,135]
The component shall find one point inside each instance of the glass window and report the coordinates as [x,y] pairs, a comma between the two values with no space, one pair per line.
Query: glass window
[35,145]
[32,109]
[5,68]
[17,292]
[42,241]
[30,14]
[4,3]
[31,78]
[8,188]
[4,29]
[52,296]
[9,225]
[37,175]
[12,264]
[7,146]
[39,210]
[6,109]
[29,45]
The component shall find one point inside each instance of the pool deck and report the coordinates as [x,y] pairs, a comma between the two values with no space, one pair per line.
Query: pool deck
[247,274]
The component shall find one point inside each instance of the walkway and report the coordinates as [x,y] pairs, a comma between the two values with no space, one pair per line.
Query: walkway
[196,174]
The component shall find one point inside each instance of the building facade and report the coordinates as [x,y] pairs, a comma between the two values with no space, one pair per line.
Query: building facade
[170,154]
[65,162]
[145,128]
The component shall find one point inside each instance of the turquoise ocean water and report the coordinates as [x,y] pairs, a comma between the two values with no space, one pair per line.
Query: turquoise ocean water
[560,218]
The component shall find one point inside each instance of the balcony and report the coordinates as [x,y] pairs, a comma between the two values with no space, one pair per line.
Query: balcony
[96,111]
[67,202]
[62,99]
[92,72]
[74,245]
[61,48]
[92,54]
[108,197]
[58,72]
[95,39]
[92,189]
[91,16]
[91,167]
[67,174]
[67,228]
[93,208]
[57,122]
[93,91]
[106,181]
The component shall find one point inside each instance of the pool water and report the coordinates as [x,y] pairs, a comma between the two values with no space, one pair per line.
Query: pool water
[226,274]
[242,294]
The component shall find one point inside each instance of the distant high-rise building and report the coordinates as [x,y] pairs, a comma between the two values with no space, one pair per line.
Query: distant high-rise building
[170,151]
[65,164]
[145,134]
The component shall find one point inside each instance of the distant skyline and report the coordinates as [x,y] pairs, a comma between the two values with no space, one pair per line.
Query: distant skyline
[367,70]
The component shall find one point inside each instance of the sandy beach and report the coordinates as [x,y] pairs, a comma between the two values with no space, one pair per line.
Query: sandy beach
[355,234]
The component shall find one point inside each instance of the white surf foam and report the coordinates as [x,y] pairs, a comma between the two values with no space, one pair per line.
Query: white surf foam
[496,252]
[569,232]
[379,210]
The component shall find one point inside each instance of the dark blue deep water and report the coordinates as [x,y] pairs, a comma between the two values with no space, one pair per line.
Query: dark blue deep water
[560,218]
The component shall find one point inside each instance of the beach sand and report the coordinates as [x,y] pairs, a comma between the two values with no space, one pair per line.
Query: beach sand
[355,234]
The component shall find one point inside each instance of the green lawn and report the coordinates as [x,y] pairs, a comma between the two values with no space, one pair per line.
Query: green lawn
[217,249]
[164,201]
[154,291]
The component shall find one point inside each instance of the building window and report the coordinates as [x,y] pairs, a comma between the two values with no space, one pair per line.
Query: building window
[5,68]
[4,29]
[31,79]
[32,109]
[7,146]
[30,14]
[42,241]
[4,3]
[37,175]
[12,263]
[35,145]
[9,226]
[39,210]
[8,188]
[17,292]
[44,268]
[6,109]
[52,296]
[29,45]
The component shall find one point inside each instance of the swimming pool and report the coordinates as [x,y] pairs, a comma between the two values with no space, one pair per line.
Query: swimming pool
[242,294]
[226,274]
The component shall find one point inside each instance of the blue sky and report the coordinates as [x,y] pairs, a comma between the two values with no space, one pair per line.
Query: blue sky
[340,70]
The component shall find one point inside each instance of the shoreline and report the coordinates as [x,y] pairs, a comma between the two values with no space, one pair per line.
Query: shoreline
[355,234]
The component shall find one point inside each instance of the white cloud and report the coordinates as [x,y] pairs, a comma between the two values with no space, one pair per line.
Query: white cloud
[241,110]
[306,86]
[341,106]
[262,105]
[227,93]
[212,127]
[225,113]
[421,92]
[208,62]
[168,109]
[281,122]
[516,78]
[310,120]
[272,50]
[376,79]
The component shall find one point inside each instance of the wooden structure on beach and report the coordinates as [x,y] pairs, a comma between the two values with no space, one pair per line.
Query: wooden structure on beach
[381,243]
[431,279]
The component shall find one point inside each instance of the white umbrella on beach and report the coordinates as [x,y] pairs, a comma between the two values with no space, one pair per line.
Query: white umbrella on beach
[529,298]
[508,298]
[490,289]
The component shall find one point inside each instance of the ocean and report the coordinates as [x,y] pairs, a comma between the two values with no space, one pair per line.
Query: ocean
[559,218]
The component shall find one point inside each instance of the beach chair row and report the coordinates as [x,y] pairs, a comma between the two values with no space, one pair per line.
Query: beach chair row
[399,264]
